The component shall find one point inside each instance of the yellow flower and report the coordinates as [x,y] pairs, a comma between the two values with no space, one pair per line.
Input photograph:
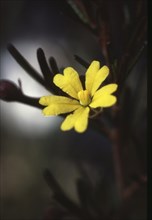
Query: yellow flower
[82,100]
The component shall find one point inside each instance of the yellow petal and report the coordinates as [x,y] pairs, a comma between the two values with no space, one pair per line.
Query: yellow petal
[56,109]
[103,97]
[104,101]
[90,74]
[54,99]
[105,90]
[58,105]
[101,75]
[78,120]
[82,122]
[95,76]
[69,82]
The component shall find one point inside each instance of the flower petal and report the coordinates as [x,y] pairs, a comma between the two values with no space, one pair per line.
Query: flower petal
[90,74]
[69,82]
[82,122]
[104,101]
[58,105]
[78,120]
[101,75]
[105,90]
[95,76]
[54,99]
[103,97]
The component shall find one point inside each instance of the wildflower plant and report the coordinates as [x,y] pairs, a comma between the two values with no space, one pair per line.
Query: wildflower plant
[82,100]
[102,98]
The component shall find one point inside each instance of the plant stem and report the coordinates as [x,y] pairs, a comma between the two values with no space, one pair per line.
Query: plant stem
[117,161]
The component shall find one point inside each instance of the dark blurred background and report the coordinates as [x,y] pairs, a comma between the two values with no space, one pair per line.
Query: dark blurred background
[30,142]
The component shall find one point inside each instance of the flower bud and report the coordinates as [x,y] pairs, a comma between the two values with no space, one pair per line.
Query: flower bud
[9,91]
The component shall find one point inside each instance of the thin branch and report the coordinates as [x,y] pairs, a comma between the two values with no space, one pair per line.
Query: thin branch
[25,65]
[31,101]
[117,161]
[81,61]
[48,75]
[59,195]
[134,187]
[136,58]
[134,42]
[122,79]
[53,65]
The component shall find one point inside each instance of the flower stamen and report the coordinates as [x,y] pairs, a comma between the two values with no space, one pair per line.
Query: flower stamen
[84,97]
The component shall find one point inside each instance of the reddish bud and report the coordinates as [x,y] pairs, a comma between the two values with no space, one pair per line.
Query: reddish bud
[9,91]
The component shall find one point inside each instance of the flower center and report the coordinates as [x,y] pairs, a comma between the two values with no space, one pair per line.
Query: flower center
[84,97]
